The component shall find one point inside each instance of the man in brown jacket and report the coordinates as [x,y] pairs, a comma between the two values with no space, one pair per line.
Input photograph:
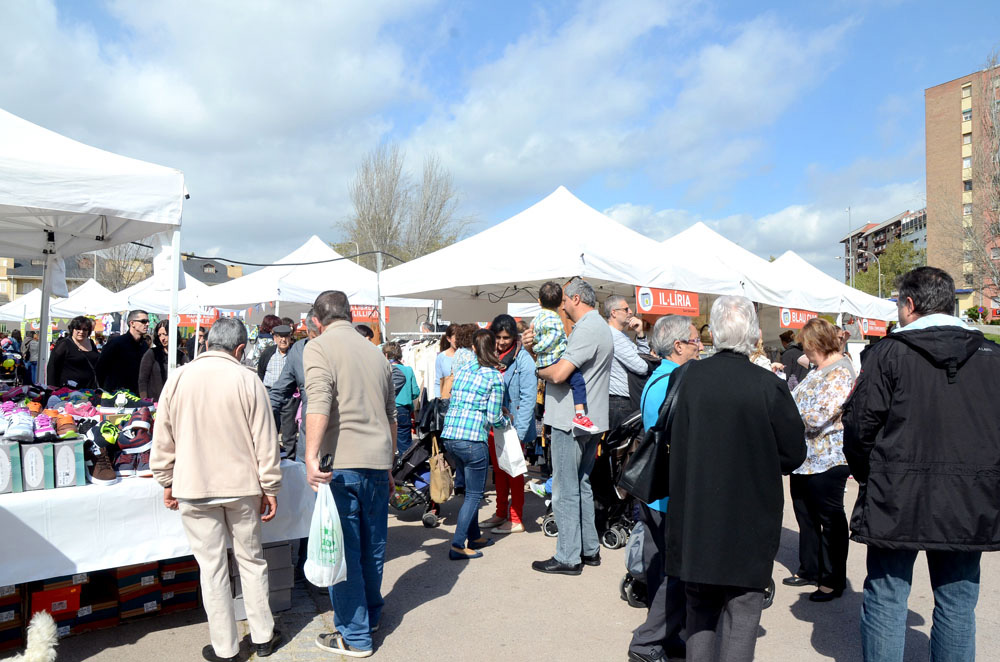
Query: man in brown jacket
[215,452]
[351,415]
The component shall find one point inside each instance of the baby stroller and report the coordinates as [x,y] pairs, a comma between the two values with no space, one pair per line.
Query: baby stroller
[411,471]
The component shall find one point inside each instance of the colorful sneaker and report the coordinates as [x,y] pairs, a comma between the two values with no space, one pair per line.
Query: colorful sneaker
[97,455]
[121,402]
[44,431]
[82,410]
[21,427]
[15,394]
[34,407]
[51,413]
[538,489]
[66,427]
[7,407]
[582,422]
[135,441]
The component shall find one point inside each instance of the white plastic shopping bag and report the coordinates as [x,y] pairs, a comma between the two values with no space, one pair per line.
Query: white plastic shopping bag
[510,457]
[325,564]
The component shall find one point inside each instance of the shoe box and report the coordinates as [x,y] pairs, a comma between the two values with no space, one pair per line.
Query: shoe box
[139,589]
[179,583]
[93,604]
[37,467]
[10,467]
[11,618]
[70,470]
[280,579]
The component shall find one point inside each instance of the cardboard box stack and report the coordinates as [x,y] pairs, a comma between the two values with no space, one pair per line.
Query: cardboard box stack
[11,620]
[10,467]
[280,577]
[139,590]
[179,583]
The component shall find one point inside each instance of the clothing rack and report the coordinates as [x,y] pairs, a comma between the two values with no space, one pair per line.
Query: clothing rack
[405,335]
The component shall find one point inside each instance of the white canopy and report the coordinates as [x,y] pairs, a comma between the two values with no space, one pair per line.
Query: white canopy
[59,197]
[812,289]
[28,307]
[80,300]
[144,296]
[554,239]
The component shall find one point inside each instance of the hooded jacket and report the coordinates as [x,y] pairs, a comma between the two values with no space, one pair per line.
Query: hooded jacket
[922,437]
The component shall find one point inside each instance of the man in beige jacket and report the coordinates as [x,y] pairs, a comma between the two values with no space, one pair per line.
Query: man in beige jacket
[215,452]
[351,415]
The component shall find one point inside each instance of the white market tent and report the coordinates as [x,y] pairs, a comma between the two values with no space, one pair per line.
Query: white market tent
[554,239]
[144,295]
[59,198]
[27,307]
[812,289]
[79,301]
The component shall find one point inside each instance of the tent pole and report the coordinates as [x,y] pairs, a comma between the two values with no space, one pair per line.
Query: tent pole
[175,259]
[277,308]
[43,326]
[378,294]
[197,344]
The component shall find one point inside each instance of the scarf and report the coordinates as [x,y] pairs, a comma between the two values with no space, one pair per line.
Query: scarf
[507,358]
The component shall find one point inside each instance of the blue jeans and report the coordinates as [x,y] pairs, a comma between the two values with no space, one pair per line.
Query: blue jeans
[362,497]
[472,459]
[404,428]
[572,499]
[33,371]
[955,582]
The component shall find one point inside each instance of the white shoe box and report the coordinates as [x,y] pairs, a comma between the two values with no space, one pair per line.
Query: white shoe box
[10,468]
[69,463]
[37,468]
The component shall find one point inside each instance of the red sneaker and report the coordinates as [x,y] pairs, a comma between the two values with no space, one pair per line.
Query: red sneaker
[584,423]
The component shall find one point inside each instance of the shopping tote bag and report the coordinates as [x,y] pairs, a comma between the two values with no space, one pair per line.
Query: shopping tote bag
[442,482]
[325,564]
[510,457]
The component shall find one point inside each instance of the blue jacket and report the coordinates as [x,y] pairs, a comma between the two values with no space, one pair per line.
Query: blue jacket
[653,395]
[520,393]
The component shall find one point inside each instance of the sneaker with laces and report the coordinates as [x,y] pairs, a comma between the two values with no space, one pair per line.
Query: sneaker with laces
[44,430]
[121,402]
[100,469]
[334,643]
[538,489]
[66,427]
[582,422]
[34,407]
[136,441]
[21,427]
[82,410]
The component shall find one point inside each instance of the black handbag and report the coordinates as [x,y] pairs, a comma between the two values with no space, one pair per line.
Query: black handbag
[647,473]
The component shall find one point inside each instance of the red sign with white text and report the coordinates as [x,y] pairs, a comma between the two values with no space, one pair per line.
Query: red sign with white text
[792,318]
[367,314]
[870,327]
[650,300]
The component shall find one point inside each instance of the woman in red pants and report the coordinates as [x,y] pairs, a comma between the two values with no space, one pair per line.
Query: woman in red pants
[520,389]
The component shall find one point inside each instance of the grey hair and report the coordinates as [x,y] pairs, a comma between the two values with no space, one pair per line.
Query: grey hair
[226,335]
[136,314]
[668,330]
[734,324]
[611,302]
[310,322]
[578,287]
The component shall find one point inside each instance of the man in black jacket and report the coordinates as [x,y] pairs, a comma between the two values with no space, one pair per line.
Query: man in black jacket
[922,437]
[795,372]
[118,367]
[736,430]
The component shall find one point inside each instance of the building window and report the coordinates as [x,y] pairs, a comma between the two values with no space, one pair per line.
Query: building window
[208,269]
[966,138]
[24,287]
[966,114]
[37,263]
[3,285]
[967,162]
[967,209]
[967,90]
[967,185]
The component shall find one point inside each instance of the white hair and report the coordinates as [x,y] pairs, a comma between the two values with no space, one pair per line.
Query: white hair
[227,334]
[581,288]
[734,324]
[668,330]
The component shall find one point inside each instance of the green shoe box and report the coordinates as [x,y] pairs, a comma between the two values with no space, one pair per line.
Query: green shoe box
[37,467]
[10,468]
[69,464]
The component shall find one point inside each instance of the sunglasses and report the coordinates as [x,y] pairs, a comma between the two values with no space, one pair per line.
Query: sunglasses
[141,321]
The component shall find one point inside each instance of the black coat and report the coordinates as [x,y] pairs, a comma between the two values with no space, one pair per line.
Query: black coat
[736,431]
[790,359]
[68,364]
[118,367]
[153,372]
[922,437]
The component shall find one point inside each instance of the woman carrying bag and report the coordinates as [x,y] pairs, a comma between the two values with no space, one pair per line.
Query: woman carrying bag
[74,359]
[520,389]
[475,408]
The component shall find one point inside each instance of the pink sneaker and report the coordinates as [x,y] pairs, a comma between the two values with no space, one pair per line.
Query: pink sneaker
[44,431]
[584,423]
[82,410]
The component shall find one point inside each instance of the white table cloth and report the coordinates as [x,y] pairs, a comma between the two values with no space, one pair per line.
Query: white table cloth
[51,533]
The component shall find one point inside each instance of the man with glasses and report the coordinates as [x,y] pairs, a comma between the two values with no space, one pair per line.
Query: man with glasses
[626,357]
[118,367]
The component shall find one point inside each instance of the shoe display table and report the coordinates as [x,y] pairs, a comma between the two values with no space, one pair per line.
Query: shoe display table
[52,533]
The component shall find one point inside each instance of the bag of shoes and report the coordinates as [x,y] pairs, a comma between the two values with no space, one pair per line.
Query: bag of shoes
[325,564]
[442,482]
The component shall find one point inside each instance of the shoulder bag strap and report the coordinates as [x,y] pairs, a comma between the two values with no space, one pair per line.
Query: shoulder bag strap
[642,401]
[667,408]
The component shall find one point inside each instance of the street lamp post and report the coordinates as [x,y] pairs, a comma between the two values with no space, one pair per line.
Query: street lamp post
[850,247]
[879,264]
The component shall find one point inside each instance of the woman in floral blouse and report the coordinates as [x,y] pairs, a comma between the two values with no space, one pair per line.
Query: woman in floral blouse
[818,485]
[476,407]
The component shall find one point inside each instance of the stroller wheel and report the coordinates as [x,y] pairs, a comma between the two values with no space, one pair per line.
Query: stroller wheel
[549,527]
[769,595]
[633,592]
[430,520]
[623,586]
[614,537]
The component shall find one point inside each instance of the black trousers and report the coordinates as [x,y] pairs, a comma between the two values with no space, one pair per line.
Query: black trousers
[722,622]
[667,605]
[818,502]
[619,408]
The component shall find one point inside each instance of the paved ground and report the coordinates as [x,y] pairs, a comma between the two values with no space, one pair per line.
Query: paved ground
[497,608]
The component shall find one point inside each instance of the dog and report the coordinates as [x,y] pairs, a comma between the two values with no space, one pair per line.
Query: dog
[42,640]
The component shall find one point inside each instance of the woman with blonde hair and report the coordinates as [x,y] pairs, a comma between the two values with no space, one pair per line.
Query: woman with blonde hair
[817,487]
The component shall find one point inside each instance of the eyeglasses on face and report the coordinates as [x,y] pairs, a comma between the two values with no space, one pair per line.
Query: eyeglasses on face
[146,321]
[692,341]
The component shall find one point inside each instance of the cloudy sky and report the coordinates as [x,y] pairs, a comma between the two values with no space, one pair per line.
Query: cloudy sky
[765,120]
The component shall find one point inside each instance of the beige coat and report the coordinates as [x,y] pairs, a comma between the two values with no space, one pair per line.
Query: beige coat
[349,380]
[214,434]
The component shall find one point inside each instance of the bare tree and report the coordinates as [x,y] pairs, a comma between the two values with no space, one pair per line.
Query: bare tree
[122,266]
[394,215]
[975,237]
